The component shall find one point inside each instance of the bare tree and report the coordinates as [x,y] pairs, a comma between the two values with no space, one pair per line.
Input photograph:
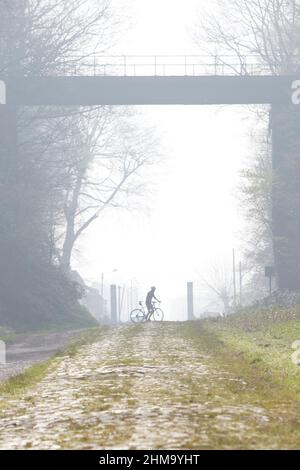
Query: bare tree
[263,33]
[53,36]
[107,170]
[41,37]
[255,197]
[219,282]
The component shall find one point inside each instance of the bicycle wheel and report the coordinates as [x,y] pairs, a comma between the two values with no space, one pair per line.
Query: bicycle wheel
[137,316]
[158,314]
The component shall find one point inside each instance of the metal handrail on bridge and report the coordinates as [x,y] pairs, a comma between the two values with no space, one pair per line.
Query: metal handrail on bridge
[164,65]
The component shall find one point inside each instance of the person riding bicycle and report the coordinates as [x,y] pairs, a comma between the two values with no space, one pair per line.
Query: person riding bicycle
[149,300]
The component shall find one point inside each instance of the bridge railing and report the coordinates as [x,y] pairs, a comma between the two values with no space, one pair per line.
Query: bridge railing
[164,65]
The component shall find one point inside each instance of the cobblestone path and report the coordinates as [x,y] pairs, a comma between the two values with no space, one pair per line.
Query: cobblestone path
[145,387]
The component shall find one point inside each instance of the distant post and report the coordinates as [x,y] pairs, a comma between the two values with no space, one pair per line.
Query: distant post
[190,301]
[2,352]
[113,304]
[270,273]
[2,92]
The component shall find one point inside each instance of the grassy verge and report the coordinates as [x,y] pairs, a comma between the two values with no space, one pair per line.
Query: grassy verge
[260,341]
[18,384]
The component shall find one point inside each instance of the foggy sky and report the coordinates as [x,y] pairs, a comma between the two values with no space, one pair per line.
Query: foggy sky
[193,217]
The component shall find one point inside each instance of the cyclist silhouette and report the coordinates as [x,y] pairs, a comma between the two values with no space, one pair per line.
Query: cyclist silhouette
[149,300]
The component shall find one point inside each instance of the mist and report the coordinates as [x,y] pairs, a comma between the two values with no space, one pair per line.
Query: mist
[149,230]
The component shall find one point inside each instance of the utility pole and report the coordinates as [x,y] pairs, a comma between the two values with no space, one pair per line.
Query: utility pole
[241,284]
[119,304]
[234,278]
[128,303]
[131,295]
[102,294]
[102,285]
[270,272]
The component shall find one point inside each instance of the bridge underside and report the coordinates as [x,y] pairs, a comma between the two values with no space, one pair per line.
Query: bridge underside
[201,90]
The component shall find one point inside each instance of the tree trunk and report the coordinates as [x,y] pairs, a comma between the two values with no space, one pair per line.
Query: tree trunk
[68,245]
[70,213]
[285,124]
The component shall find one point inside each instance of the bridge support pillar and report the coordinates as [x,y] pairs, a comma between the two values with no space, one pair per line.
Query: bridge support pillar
[285,125]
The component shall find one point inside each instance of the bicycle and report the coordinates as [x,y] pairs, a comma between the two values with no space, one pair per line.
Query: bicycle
[140,315]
